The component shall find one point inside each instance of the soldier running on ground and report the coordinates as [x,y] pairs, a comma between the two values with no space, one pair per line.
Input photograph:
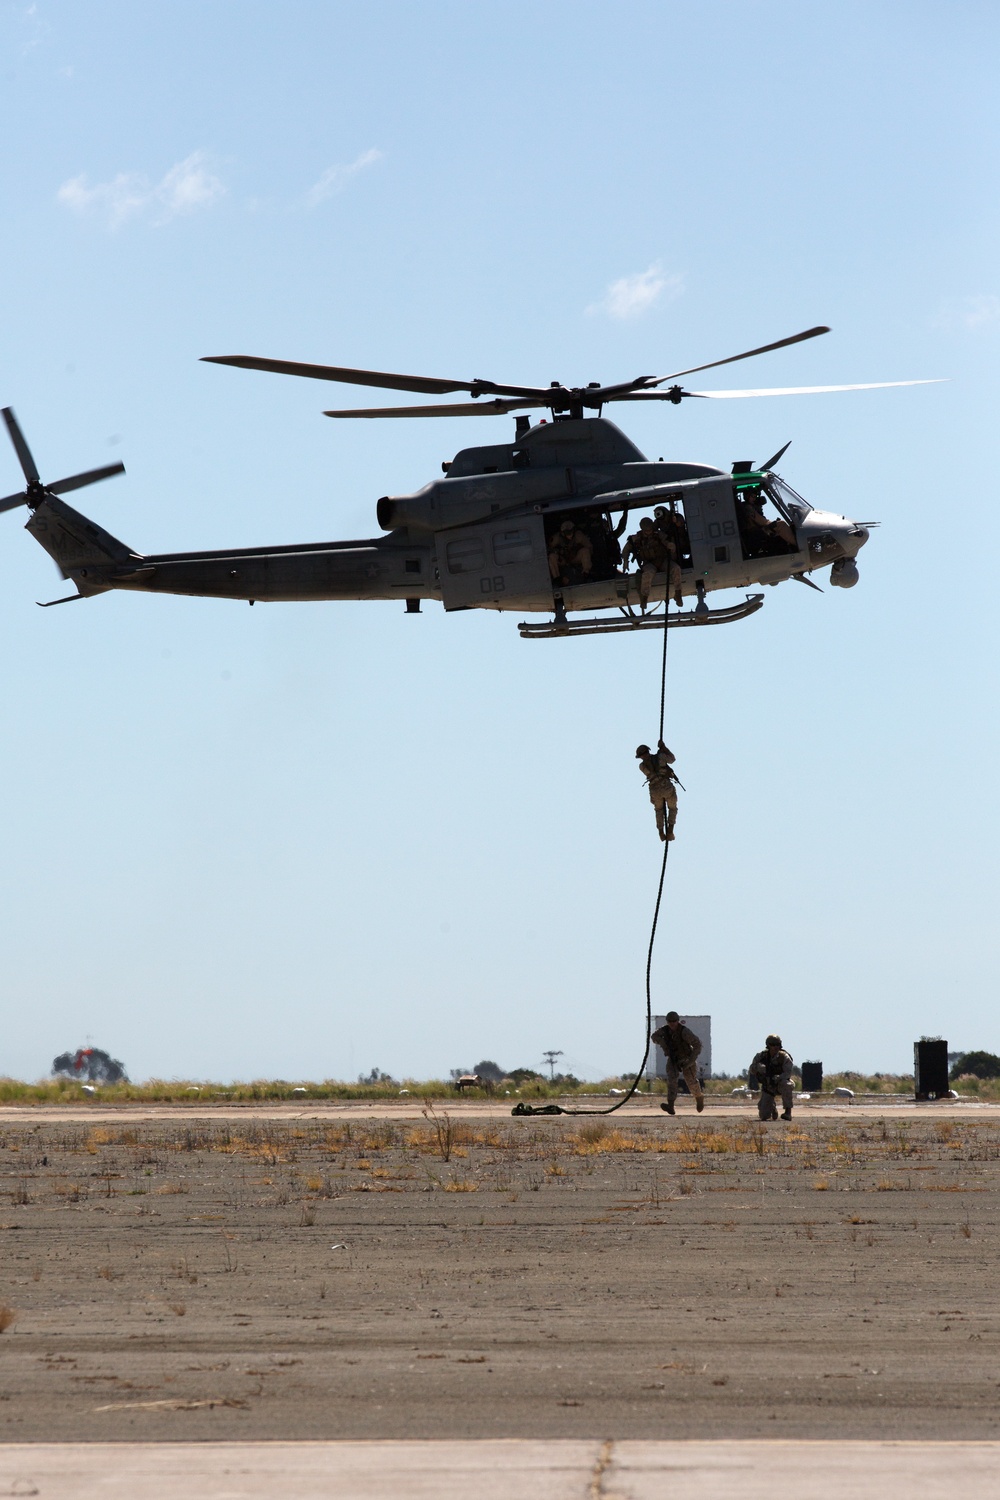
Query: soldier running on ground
[661,782]
[772,1071]
[682,1048]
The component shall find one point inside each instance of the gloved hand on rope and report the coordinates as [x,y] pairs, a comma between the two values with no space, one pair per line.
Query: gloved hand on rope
[661,783]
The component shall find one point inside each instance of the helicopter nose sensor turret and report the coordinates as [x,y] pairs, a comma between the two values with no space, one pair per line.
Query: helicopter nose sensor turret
[844,573]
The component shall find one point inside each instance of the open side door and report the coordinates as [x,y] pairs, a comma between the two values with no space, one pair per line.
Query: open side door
[493,563]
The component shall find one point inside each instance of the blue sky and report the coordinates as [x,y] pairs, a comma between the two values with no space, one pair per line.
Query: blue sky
[305,840]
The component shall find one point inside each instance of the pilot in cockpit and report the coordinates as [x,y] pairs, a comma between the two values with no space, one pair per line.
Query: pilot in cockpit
[757,527]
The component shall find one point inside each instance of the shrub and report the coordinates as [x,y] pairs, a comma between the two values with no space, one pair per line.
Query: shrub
[979,1064]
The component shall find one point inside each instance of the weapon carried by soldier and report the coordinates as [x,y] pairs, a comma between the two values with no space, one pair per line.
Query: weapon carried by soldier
[771,1071]
[662,783]
[682,1048]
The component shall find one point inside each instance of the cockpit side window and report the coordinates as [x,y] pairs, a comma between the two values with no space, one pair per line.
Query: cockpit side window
[761,533]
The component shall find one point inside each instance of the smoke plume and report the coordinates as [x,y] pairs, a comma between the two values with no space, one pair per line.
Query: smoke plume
[89,1065]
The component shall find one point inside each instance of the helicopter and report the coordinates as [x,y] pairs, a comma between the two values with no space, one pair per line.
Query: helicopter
[485,535]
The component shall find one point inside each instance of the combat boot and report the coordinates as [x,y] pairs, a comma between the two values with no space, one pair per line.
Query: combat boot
[669,1107]
[786,1114]
[699,1103]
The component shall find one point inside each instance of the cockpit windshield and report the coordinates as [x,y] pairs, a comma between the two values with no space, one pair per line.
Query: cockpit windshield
[785,500]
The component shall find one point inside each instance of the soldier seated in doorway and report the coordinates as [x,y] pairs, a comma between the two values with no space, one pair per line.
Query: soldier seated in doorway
[771,1072]
[654,554]
[671,524]
[571,554]
[682,1048]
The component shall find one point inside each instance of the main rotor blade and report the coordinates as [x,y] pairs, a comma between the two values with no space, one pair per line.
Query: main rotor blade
[786,390]
[457,409]
[796,338]
[11,502]
[20,447]
[77,481]
[814,390]
[424,383]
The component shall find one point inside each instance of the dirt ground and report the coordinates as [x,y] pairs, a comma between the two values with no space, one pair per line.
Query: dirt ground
[469,1277]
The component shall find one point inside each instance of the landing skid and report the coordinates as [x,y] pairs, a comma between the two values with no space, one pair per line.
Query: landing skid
[545,629]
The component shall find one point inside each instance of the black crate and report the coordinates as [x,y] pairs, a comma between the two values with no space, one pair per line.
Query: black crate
[930,1070]
[812,1077]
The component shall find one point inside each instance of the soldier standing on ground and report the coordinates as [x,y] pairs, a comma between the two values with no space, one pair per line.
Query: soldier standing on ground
[661,782]
[771,1070]
[682,1048]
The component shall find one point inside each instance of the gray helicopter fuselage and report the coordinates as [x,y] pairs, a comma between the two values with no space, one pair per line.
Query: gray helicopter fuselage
[480,536]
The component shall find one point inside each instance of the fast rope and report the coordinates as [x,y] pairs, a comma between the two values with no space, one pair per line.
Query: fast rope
[558,1109]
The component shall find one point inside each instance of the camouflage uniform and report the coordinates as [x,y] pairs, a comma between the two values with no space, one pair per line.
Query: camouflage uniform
[571,554]
[758,528]
[773,1073]
[655,766]
[670,527]
[654,554]
[682,1049]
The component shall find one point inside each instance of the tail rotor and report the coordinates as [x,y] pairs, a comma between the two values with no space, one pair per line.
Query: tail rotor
[35,491]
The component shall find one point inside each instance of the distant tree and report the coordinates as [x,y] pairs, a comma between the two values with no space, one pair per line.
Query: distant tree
[376,1076]
[979,1064]
[489,1071]
[523,1075]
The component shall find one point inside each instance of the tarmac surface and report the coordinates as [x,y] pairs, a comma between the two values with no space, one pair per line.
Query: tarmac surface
[561,1470]
[361,1274]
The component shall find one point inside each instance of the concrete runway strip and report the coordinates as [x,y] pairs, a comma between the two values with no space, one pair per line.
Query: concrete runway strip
[495,1470]
[321,1110]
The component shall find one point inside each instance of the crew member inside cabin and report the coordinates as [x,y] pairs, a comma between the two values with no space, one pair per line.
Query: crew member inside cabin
[653,553]
[571,555]
[761,537]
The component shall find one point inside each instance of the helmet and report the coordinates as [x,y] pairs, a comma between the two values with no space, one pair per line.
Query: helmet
[659,510]
[646,521]
[772,1041]
[568,526]
[672,1015]
[643,750]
